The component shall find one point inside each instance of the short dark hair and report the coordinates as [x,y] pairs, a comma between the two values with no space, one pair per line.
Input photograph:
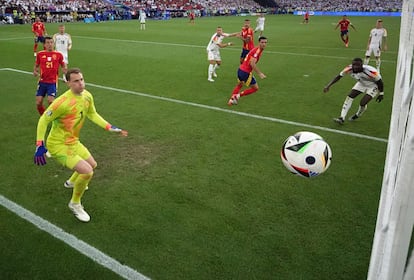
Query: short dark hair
[357,59]
[262,38]
[48,38]
[71,71]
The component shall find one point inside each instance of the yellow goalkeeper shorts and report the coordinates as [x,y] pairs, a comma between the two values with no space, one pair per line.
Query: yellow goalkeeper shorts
[69,155]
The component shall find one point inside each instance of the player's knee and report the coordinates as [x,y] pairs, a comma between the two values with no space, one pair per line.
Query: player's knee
[365,100]
[87,176]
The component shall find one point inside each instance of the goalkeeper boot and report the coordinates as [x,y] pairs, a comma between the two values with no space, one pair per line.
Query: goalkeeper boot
[79,212]
[69,185]
[339,120]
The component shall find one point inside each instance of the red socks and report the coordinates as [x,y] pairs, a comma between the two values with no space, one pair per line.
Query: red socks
[40,109]
[248,91]
[237,89]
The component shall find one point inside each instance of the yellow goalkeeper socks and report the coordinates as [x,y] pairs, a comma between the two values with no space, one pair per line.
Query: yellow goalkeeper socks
[74,176]
[80,186]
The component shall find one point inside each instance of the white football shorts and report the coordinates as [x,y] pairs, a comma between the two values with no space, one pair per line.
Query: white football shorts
[370,90]
[213,55]
[376,50]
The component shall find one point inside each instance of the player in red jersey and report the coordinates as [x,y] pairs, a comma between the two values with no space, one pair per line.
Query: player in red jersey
[247,36]
[245,73]
[39,31]
[344,23]
[191,15]
[47,68]
[305,18]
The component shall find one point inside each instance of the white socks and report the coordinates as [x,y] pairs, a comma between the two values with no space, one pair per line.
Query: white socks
[361,110]
[210,70]
[346,106]
[378,63]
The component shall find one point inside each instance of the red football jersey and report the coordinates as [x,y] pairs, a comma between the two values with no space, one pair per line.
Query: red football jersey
[254,53]
[38,28]
[248,33]
[344,23]
[49,65]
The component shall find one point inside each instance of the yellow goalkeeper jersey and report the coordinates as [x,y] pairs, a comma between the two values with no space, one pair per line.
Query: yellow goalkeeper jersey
[67,114]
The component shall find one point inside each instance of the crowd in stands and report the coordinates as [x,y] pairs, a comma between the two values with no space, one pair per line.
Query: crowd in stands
[24,11]
[341,5]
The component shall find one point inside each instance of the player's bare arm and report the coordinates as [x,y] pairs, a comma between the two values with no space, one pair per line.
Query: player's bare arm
[36,70]
[369,43]
[236,34]
[223,45]
[256,69]
[326,88]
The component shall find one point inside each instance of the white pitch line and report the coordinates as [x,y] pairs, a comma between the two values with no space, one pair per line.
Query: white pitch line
[229,49]
[79,245]
[225,110]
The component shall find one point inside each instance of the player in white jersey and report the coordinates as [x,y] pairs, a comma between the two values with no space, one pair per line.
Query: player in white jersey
[213,51]
[260,22]
[377,42]
[63,43]
[369,81]
[142,19]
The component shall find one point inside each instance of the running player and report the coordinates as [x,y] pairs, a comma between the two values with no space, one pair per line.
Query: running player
[344,24]
[245,73]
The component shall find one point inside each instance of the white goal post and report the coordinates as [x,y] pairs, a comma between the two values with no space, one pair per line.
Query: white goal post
[395,220]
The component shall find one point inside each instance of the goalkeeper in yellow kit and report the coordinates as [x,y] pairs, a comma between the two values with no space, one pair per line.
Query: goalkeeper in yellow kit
[67,114]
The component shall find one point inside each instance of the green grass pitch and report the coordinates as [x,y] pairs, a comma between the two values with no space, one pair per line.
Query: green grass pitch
[197,190]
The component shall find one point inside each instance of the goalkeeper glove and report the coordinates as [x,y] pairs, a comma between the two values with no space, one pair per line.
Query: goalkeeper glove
[380,97]
[39,157]
[117,129]
[113,128]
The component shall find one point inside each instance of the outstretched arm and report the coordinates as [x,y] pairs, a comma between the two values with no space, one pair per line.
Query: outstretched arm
[337,78]
[223,45]
[94,116]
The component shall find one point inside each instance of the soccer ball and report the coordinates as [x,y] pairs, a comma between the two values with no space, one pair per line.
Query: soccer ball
[306,154]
